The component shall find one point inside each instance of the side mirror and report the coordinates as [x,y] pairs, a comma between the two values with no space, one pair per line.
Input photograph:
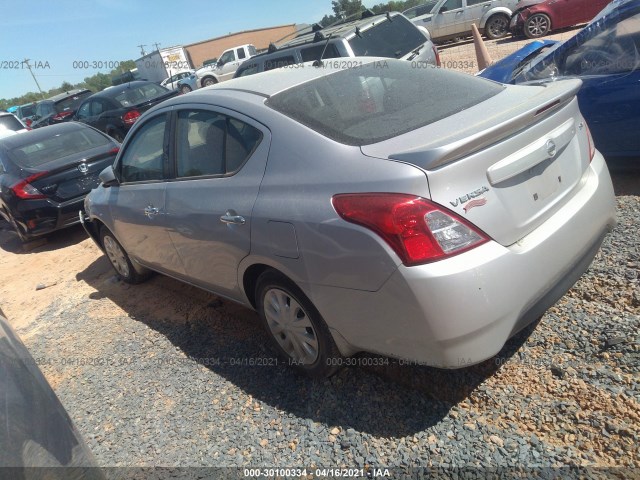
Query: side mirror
[220,63]
[108,177]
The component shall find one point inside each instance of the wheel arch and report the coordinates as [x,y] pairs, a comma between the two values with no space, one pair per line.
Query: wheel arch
[494,11]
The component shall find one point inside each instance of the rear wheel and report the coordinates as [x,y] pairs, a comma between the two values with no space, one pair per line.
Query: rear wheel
[295,327]
[207,82]
[496,27]
[120,261]
[537,25]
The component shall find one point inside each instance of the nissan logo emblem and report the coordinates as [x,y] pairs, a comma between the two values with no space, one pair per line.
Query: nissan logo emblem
[551,148]
[83,168]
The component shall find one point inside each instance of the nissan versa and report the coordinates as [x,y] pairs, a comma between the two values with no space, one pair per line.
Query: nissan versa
[415,213]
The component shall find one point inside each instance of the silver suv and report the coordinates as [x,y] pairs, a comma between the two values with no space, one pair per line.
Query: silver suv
[451,19]
[390,35]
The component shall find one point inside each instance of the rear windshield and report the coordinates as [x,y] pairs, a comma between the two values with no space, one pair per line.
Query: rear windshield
[59,146]
[9,122]
[71,103]
[133,95]
[391,39]
[380,100]
[27,110]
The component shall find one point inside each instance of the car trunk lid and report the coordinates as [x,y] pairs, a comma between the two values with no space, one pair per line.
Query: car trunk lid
[73,176]
[512,168]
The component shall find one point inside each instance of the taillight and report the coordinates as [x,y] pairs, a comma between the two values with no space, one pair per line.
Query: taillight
[418,230]
[437,54]
[25,190]
[592,147]
[28,122]
[61,116]
[130,117]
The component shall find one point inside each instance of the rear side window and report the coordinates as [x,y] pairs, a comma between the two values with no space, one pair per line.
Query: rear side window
[243,71]
[310,54]
[380,100]
[388,39]
[279,62]
[9,122]
[61,145]
[210,143]
[241,53]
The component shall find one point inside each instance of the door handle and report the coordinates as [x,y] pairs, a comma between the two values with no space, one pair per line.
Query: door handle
[151,211]
[232,217]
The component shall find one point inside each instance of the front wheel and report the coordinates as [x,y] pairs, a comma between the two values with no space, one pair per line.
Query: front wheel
[537,25]
[496,27]
[184,89]
[295,327]
[120,261]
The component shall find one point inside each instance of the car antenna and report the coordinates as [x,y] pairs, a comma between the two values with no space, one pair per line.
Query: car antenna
[318,62]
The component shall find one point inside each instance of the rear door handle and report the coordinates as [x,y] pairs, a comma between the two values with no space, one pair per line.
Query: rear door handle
[232,217]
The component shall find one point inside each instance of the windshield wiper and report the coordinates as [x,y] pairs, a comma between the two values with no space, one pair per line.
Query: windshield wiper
[415,51]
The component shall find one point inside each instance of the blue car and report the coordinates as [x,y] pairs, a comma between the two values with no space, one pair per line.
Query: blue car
[605,55]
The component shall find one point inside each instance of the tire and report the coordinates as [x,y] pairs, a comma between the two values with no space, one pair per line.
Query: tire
[208,81]
[295,328]
[537,25]
[184,89]
[120,261]
[16,228]
[496,27]
[117,136]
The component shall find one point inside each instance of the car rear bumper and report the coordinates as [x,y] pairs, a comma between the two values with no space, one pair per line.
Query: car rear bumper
[461,311]
[39,217]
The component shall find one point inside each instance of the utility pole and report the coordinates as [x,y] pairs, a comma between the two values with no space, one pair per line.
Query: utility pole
[26,60]
[157,45]
[142,52]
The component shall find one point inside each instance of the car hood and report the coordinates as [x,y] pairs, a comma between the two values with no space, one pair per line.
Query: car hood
[502,71]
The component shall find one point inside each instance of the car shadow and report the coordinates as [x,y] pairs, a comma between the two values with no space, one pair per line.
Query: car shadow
[378,395]
[625,181]
[11,243]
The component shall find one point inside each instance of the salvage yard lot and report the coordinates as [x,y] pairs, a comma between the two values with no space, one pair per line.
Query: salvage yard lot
[164,374]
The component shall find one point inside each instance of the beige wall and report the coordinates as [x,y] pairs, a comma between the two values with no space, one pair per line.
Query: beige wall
[201,51]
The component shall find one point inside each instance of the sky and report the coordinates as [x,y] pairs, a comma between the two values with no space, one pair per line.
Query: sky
[59,36]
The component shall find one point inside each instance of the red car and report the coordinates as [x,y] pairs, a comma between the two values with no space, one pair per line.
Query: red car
[536,18]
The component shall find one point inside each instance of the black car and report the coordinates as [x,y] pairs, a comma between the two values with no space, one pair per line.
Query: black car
[37,437]
[115,109]
[46,173]
[59,108]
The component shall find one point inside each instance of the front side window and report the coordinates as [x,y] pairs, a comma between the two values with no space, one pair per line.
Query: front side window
[85,110]
[143,158]
[228,57]
[209,143]
[451,5]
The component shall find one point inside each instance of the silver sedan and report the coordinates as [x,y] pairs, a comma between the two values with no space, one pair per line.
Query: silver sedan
[412,212]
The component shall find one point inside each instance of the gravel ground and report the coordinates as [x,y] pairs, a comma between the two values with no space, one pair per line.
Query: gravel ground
[161,383]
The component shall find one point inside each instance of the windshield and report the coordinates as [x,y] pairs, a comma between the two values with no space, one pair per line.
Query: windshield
[58,146]
[372,103]
[136,94]
[27,110]
[391,39]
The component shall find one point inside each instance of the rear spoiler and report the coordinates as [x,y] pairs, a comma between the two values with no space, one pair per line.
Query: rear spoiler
[553,97]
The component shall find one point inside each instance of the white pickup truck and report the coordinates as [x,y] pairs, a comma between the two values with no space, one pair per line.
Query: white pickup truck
[218,72]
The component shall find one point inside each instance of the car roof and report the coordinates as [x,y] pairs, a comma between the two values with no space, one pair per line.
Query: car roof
[40,134]
[67,94]
[337,31]
[113,90]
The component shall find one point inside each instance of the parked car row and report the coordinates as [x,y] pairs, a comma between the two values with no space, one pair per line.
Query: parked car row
[452,19]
